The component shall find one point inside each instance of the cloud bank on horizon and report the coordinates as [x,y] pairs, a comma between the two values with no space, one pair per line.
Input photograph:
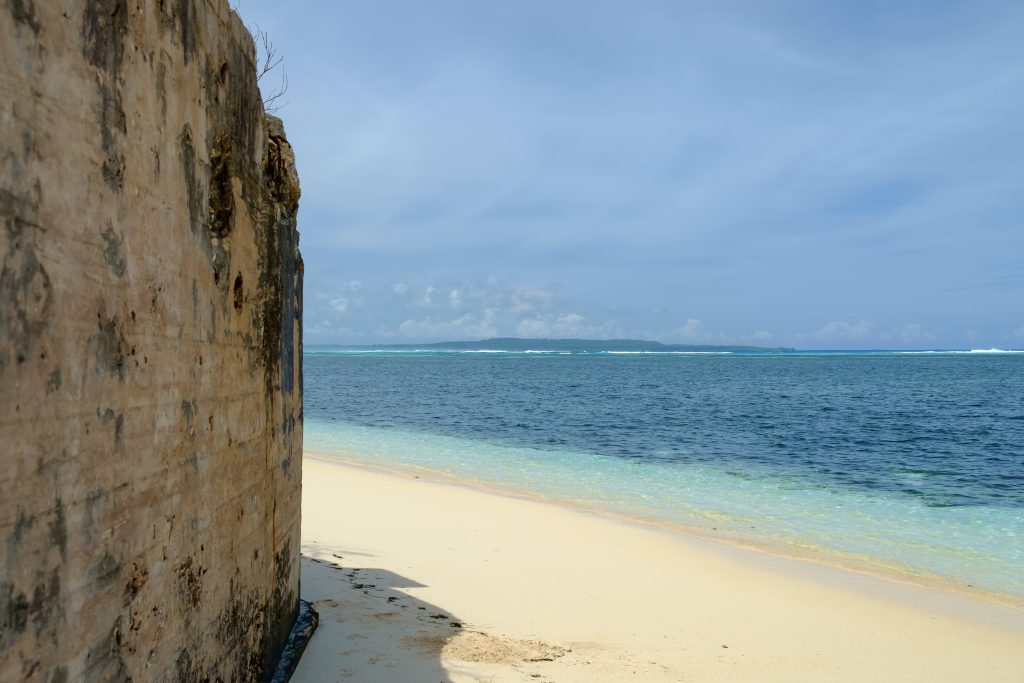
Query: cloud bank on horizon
[830,175]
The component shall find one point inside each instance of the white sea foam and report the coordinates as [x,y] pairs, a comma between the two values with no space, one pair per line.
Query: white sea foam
[550,352]
[340,352]
[328,352]
[925,353]
[939,352]
[667,353]
[953,352]
[996,351]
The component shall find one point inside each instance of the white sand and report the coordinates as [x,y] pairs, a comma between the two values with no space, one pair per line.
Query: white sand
[542,592]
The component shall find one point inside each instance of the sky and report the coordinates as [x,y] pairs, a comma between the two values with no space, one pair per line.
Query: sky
[812,174]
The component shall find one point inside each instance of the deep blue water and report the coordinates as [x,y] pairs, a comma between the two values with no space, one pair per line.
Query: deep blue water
[913,459]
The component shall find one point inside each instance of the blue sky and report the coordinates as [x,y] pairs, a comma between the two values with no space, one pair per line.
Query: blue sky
[812,174]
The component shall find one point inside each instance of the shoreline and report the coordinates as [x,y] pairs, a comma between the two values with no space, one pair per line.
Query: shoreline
[421,579]
[874,568]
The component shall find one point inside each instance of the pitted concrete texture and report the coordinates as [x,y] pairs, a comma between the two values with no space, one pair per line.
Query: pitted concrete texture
[150,347]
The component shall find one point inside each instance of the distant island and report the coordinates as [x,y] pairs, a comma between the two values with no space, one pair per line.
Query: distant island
[514,344]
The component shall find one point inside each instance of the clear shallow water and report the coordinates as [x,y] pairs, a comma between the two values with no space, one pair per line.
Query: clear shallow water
[915,460]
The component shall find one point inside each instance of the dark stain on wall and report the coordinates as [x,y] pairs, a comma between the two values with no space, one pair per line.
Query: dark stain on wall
[22,526]
[139,577]
[113,252]
[55,382]
[112,119]
[238,293]
[222,198]
[24,13]
[109,346]
[26,293]
[59,529]
[186,669]
[241,118]
[161,92]
[104,26]
[194,196]
[220,209]
[104,661]
[93,503]
[104,570]
[280,268]
[190,585]
[188,410]
[186,29]
[244,611]
[285,601]
[179,17]
[42,610]
[107,417]
[25,299]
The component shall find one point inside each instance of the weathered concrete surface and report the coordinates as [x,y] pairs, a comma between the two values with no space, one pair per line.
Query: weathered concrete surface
[150,387]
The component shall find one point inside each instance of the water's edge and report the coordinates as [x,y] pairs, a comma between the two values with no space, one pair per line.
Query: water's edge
[877,568]
[907,465]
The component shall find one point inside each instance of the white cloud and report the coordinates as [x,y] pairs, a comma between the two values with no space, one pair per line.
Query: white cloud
[521,307]
[563,325]
[763,334]
[468,326]
[840,329]
[910,333]
[566,325]
[339,304]
[692,331]
[533,327]
[326,331]
[427,300]
[1019,332]
[445,308]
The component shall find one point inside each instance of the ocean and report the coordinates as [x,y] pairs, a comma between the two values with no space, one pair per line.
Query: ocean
[907,462]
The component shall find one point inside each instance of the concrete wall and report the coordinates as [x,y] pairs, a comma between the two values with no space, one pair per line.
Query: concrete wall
[150,386]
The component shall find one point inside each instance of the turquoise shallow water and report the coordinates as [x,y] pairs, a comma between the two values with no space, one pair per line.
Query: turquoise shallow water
[909,460]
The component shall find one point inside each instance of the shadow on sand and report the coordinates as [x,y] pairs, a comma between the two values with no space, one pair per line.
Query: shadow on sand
[369,630]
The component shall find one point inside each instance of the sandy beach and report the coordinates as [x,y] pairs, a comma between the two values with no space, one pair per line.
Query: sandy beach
[420,579]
